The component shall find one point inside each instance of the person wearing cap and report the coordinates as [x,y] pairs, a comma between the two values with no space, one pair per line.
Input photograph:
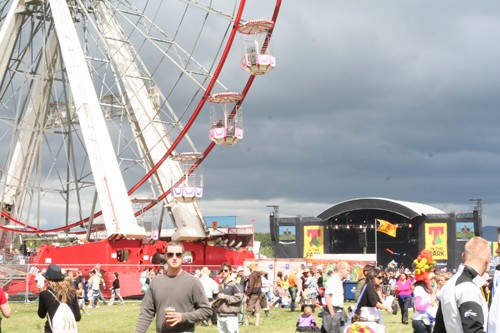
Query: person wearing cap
[59,290]
[310,288]
[211,289]
[177,291]
[253,291]
[228,301]
[240,278]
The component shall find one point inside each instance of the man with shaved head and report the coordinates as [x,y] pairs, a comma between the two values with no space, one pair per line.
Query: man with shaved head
[334,316]
[463,308]
[494,320]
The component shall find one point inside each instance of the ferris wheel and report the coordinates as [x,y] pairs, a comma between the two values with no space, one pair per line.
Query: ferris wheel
[108,108]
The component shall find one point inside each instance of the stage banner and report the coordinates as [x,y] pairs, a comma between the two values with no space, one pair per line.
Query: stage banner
[314,242]
[436,240]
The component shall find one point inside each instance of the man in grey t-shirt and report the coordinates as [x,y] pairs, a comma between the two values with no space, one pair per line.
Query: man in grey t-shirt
[176,299]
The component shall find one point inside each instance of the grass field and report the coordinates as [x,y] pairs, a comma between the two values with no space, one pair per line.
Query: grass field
[123,318]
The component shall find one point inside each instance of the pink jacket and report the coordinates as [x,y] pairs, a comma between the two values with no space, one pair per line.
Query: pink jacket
[404,288]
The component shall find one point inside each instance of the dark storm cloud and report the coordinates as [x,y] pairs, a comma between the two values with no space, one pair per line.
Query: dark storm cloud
[385,99]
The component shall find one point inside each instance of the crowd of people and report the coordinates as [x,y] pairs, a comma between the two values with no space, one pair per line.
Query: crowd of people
[180,300]
[460,301]
[88,291]
[70,287]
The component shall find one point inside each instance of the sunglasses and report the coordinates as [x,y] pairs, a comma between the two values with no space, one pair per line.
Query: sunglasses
[380,277]
[170,255]
[225,270]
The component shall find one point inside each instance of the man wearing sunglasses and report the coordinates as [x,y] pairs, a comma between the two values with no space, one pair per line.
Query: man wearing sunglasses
[176,298]
[228,302]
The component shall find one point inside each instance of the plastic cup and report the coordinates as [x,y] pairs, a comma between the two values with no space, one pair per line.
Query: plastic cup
[168,309]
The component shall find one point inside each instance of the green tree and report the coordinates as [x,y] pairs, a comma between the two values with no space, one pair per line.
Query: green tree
[266,244]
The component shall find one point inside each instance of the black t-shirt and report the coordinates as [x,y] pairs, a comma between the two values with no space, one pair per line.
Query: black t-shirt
[369,297]
[47,304]
[320,281]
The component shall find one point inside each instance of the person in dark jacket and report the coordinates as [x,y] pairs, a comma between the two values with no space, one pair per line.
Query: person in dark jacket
[60,288]
[462,307]
[228,302]
[253,291]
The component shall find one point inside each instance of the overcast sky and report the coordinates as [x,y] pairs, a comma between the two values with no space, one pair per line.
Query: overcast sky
[391,99]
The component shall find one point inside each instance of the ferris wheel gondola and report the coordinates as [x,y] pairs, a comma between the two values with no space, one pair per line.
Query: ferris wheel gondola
[227,120]
[257,56]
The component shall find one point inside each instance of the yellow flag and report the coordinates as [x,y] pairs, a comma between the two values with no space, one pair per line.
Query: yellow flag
[387,227]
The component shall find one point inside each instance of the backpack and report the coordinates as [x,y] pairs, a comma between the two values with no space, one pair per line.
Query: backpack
[64,320]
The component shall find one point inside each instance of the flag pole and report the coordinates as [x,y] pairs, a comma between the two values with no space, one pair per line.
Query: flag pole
[376,261]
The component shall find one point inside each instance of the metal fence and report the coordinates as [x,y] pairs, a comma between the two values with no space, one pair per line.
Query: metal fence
[16,268]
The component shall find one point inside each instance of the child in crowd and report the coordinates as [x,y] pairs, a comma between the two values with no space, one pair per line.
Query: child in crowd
[306,321]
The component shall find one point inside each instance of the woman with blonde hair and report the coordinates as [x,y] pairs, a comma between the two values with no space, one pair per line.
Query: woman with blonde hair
[59,291]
